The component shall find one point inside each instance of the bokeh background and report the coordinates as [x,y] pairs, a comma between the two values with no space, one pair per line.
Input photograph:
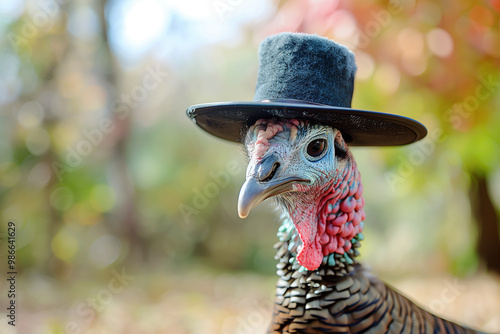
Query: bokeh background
[126,212]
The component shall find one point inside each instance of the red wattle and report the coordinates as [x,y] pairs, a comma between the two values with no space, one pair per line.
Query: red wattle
[328,225]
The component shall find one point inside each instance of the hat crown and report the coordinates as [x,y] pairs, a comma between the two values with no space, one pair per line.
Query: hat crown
[305,67]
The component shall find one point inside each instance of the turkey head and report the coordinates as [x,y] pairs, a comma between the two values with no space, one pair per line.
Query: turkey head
[310,172]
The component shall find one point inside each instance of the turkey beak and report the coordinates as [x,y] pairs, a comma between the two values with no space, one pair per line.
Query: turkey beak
[263,181]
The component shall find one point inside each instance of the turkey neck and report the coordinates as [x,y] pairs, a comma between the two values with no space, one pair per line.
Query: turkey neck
[333,266]
[324,223]
[307,295]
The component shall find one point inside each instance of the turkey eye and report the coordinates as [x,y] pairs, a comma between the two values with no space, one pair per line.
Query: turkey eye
[316,147]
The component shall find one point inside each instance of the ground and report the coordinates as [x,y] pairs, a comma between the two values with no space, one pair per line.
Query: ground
[204,301]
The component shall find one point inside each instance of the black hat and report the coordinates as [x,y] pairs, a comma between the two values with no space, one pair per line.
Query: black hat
[306,77]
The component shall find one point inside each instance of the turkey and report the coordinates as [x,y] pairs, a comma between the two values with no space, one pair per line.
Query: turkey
[311,174]
[298,134]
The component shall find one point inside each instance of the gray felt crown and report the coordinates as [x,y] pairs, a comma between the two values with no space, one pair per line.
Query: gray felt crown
[306,77]
[305,67]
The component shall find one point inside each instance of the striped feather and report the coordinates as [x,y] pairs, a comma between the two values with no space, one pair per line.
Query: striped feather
[324,301]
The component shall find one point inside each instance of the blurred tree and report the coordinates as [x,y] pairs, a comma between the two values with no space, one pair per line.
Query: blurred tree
[126,218]
[487,219]
[70,87]
[37,103]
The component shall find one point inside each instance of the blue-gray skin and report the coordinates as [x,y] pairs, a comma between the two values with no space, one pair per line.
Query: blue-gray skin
[288,162]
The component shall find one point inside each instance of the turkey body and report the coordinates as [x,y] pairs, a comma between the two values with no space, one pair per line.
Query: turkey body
[344,298]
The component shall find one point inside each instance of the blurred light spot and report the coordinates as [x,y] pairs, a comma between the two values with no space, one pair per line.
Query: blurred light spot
[70,84]
[9,90]
[491,42]
[138,13]
[13,212]
[11,10]
[10,174]
[149,171]
[94,97]
[366,65]
[9,66]
[344,24]
[61,198]
[430,12]
[482,16]
[38,141]
[39,175]
[137,25]
[411,43]
[387,78]
[64,246]
[39,286]
[102,198]
[66,133]
[86,214]
[177,29]
[105,250]
[415,66]
[495,4]
[83,23]
[440,42]
[30,114]
[197,9]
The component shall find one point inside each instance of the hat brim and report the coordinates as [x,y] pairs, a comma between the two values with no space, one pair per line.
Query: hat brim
[231,120]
